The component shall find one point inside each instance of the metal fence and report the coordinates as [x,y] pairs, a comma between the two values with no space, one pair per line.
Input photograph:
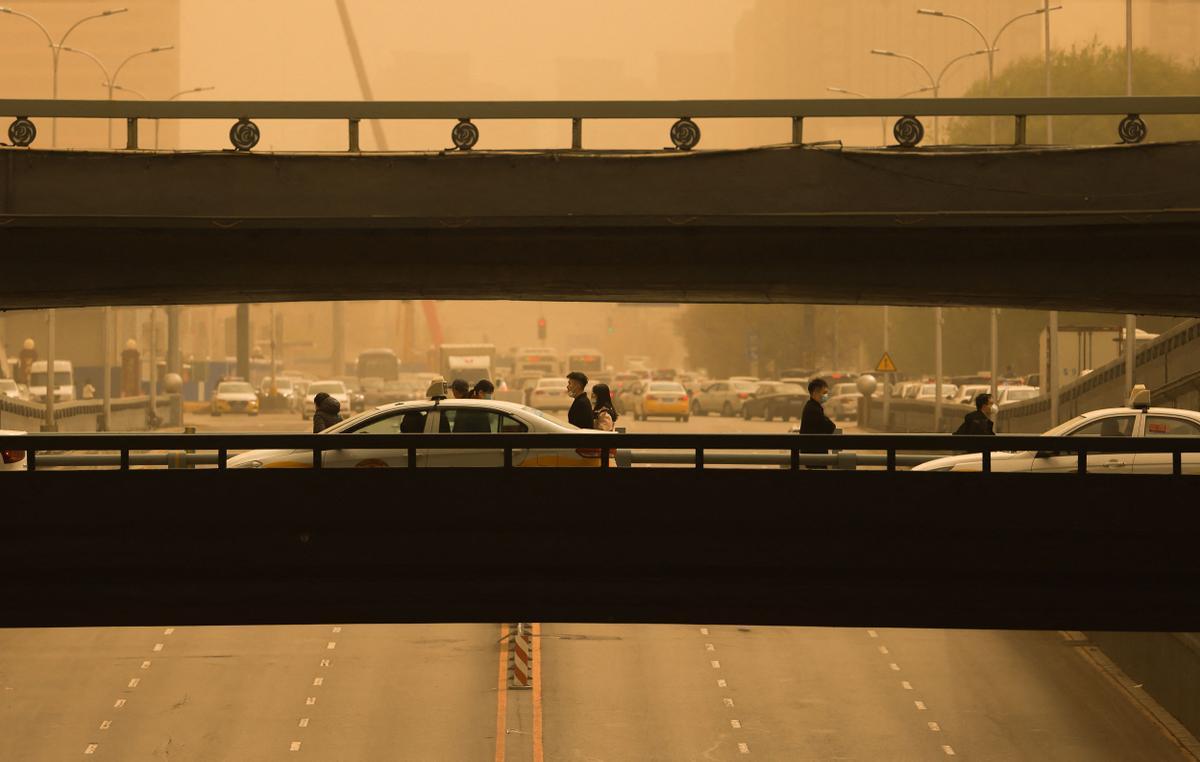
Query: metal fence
[697,450]
[909,131]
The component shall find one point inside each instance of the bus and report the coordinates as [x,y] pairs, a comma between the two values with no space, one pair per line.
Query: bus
[532,361]
[586,360]
[378,363]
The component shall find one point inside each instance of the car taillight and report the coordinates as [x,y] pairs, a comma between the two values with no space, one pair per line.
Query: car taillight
[744,395]
[12,456]
[684,398]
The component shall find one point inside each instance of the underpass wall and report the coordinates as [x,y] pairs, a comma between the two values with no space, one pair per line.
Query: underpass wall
[1165,664]
[128,414]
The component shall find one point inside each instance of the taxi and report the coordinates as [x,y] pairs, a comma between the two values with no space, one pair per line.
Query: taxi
[1137,419]
[234,397]
[446,416]
[664,399]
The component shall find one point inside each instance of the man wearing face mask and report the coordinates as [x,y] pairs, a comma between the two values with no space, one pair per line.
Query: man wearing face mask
[813,420]
[982,420]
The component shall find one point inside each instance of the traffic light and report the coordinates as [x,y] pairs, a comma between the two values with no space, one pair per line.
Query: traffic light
[611,328]
[541,329]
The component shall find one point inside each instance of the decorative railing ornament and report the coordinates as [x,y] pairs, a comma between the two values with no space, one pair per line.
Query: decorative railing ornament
[244,134]
[465,135]
[908,131]
[1132,129]
[685,134]
[22,131]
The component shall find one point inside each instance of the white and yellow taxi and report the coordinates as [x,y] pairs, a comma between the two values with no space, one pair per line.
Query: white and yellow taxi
[234,397]
[439,416]
[1138,419]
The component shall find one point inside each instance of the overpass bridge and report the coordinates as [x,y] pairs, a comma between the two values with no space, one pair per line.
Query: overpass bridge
[901,225]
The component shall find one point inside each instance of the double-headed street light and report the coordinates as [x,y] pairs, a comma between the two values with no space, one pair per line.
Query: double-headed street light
[882,119]
[110,80]
[55,49]
[935,82]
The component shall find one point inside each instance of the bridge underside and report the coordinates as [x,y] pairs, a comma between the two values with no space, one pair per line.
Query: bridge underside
[1110,229]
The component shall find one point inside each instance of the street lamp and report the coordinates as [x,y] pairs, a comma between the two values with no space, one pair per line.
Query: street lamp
[990,47]
[55,50]
[935,82]
[110,80]
[882,119]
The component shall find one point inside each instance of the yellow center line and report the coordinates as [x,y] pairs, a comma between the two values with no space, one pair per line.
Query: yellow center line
[537,692]
[502,694]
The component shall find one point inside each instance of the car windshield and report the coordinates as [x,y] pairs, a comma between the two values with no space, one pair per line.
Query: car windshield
[664,387]
[745,386]
[329,387]
[235,387]
[1020,394]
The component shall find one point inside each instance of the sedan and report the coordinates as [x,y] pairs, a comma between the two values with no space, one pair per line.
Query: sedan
[234,397]
[550,394]
[662,399]
[438,416]
[10,389]
[843,402]
[775,399]
[335,389]
[1109,422]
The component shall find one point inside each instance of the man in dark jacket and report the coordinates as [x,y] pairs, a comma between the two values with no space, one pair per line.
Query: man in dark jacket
[813,419]
[326,412]
[979,422]
[580,413]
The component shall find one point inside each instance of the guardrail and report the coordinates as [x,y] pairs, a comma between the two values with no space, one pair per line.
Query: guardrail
[684,132]
[701,449]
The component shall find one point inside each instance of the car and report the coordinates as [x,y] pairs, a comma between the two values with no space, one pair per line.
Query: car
[358,400]
[1137,419]
[775,399]
[299,392]
[234,397]
[662,399]
[285,388]
[11,459]
[334,388]
[725,397]
[664,374]
[625,401]
[928,391]
[967,393]
[550,394]
[748,379]
[1007,395]
[843,401]
[11,389]
[64,381]
[438,416]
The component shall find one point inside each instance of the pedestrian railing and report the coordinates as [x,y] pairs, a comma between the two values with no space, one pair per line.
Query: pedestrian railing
[684,132]
[889,451]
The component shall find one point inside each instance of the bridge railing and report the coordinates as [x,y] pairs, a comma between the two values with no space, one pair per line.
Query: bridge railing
[244,134]
[696,449]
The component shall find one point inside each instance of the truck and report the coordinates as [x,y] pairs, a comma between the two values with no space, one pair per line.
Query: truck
[470,362]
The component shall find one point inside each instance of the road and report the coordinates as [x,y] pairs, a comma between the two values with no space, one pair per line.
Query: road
[601,691]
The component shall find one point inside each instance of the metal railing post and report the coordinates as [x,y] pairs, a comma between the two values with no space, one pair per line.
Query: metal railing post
[1019,135]
[576,133]
[131,134]
[1176,463]
[508,457]
[891,459]
[797,130]
[222,457]
[699,457]
[1081,466]
[604,457]
[353,136]
[412,457]
[987,461]
[31,460]
[316,457]
[795,459]
[124,458]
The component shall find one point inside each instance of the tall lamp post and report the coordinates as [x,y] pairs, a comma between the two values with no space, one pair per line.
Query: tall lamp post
[110,80]
[882,119]
[56,49]
[935,82]
[990,47]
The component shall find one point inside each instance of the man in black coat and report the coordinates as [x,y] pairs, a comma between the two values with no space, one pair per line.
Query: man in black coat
[980,421]
[813,420]
[580,413]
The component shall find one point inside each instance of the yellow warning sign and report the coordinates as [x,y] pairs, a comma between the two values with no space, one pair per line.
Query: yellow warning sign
[885,364]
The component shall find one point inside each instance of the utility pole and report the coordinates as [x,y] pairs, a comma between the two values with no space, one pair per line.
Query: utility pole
[338,356]
[887,378]
[1053,372]
[937,369]
[1049,119]
[51,376]
[1130,320]
[106,380]
[995,342]
[243,341]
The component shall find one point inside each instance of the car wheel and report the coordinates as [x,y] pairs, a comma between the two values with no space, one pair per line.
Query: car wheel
[727,410]
[215,414]
[696,409]
[686,419]
[768,415]
[253,414]
[746,412]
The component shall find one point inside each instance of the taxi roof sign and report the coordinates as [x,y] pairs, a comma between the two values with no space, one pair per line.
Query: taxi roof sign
[885,364]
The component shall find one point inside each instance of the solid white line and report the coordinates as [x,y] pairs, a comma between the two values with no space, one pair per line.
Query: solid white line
[722,684]
[872,633]
[310,700]
[158,646]
[119,703]
[168,631]
[735,724]
[324,662]
[727,701]
[145,665]
[318,680]
[295,746]
[895,667]
[703,630]
[106,725]
[883,649]
[715,664]
[744,748]
[304,722]
[331,645]
[949,751]
[906,685]
[134,682]
[91,748]
[934,726]
[920,705]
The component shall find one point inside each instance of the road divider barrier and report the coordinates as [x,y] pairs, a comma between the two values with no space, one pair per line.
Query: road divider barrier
[520,656]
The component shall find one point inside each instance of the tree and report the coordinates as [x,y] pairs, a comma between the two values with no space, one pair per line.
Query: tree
[1093,69]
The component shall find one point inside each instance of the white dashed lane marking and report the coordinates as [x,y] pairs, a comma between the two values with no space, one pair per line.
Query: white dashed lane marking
[324,662]
[906,685]
[146,665]
[703,630]
[318,681]
[727,702]
[715,664]
[920,705]
[168,631]
[331,645]
[304,722]
[735,724]
[119,703]
[295,746]
[872,633]
[949,751]
[337,629]
[894,666]
[134,682]
[91,748]
[883,650]
[934,727]
[709,647]
[310,700]
[722,684]
[744,748]
[106,725]
[158,646]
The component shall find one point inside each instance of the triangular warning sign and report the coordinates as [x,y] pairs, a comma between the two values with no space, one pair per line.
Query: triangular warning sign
[885,364]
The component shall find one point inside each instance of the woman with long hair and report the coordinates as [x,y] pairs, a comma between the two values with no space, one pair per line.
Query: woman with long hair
[603,409]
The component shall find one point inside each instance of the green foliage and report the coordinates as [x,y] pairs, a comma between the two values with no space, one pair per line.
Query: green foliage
[1091,70]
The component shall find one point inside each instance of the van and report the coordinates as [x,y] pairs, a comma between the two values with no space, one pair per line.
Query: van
[64,381]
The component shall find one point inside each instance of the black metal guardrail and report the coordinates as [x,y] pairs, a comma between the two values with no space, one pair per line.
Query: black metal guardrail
[684,132]
[606,445]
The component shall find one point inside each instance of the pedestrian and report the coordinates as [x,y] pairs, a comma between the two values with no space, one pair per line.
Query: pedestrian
[460,389]
[604,413]
[483,390]
[813,419]
[580,414]
[326,412]
[982,421]
[88,392]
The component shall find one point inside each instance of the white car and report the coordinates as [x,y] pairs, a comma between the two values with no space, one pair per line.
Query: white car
[1006,395]
[335,389]
[441,416]
[967,394]
[11,459]
[11,389]
[928,391]
[550,394]
[843,401]
[234,397]
[64,381]
[1114,422]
